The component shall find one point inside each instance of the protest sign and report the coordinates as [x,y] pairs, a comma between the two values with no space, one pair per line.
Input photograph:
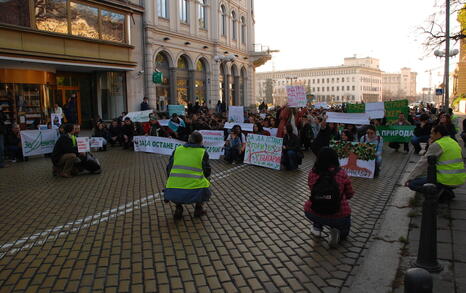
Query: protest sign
[394,108]
[42,127]
[244,126]
[296,96]
[355,108]
[375,110]
[396,133]
[214,142]
[141,116]
[265,151]
[236,114]
[83,144]
[178,109]
[38,142]
[348,118]
[273,131]
[96,142]
[55,119]
[321,105]
[164,122]
[357,159]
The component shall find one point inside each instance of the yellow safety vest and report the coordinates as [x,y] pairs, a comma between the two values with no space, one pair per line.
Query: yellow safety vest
[450,165]
[186,172]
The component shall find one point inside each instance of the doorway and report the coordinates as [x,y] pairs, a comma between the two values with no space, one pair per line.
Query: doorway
[73,111]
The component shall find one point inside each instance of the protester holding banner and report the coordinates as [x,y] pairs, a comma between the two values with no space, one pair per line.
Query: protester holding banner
[372,138]
[327,178]
[235,146]
[65,154]
[101,131]
[155,128]
[421,133]
[259,129]
[292,155]
[175,124]
[188,172]
[400,122]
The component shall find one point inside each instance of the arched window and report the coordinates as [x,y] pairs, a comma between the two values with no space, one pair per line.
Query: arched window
[162,8]
[182,78]
[224,20]
[163,90]
[184,11]
[200,81]
[243,30]
[202,14]
[234,21]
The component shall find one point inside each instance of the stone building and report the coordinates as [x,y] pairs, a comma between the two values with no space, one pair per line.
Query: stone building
[400,85]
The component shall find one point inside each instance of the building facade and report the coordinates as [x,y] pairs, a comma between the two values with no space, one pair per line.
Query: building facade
[400,85]
[358,80]
[204,49]
[85,56]
[459,77]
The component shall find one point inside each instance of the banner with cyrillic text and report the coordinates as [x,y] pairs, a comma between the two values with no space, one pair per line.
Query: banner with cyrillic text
[176,109]
[396,133]
[236,114]
[141,116]
[296,96]
[214,142]
[348,118]
[83,144]
[394,108]
[375,110]
[96,142]
[357,159]
[38,142]
[264,151]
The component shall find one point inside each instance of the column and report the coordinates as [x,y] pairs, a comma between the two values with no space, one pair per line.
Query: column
[191,86]
[226,86]
[236,99]
[173,91]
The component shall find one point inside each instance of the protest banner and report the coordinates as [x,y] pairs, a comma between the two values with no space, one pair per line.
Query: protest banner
[296,96]
[357,159]
[348,118]
[38,142]
[244,126]
[394,108]
[141,116]
[164,122]
[321,105]
[83,144]
[273,131]
[214,142]
[355,108]
[96,142]
[264,151]
[375,110]
[396,133]
[236,114]
[176,109]
[55,119]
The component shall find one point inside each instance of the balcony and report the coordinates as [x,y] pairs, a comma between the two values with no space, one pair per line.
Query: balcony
[261,54]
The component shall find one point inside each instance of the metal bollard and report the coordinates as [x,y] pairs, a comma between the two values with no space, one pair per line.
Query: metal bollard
[427,252]
[418,281]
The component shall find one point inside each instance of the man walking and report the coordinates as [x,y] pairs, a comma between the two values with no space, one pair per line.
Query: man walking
[188,172]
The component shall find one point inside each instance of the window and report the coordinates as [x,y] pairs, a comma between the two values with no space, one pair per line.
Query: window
[353,88]
[224,20]
[203,14]
[84,21]
[184,11]
[243,30]
[18,12]
[51,16]
[162,8]
[113,26]
[234,32]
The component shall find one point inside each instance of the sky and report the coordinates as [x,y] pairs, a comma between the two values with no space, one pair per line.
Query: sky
[319,33]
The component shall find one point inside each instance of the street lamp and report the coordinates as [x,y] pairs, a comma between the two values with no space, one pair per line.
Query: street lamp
[446,78]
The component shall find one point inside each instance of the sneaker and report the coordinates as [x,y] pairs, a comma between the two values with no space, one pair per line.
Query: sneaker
[178,213]
[316,232]
[199,212]
[334,237]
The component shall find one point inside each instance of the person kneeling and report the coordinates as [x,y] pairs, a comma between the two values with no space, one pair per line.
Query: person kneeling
[188,172]
[330,191]
[65,156]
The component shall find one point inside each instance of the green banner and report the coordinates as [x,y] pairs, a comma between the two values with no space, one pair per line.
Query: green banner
[393,108]
[396,133]
[355,108]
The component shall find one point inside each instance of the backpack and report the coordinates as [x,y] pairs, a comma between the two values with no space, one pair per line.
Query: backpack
[325,194]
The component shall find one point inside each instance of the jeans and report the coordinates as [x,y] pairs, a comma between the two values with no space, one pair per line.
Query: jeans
[342,224]
[290,159]
[233,154]
[2,151]
[416,142]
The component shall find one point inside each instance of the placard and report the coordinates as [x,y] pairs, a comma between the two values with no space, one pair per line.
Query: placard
[348,118]
[178,109]
[321,105]
[140,116]
[394,108]
[55,119]
[357,159]
[96,142]
[355,108]
[214,142]
[83,144]
[264,151]
[38,142]
[236,114]
[296,96]
[375,110]
[244,126]
[396,133]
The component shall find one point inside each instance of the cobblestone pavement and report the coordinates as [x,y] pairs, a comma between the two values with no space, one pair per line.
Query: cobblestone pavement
[112,232]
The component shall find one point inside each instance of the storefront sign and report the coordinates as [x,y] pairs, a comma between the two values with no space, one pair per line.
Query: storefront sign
[141,116]
[176,109]
[83,144]
[296,96]
[348,118]
[236,114]
[264,151]
[396,133]
[375,110]
[394,108]
[38,142]
[357,159]
[96,142]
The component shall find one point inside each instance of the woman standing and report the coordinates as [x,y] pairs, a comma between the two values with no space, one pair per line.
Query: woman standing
[291,149]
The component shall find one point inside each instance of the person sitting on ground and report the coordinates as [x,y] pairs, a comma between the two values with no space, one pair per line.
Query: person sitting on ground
[445,120]
[235,146]
[175,124]
[115,133]
[127,133]
[328,204]
[155,128]
[291,154]
[400,122]
[65,156]
[450,165]
[188,171]
[13,144]
[138,129]
[421,133]
[259,129]
[372,138]
[102,132]
[77,129]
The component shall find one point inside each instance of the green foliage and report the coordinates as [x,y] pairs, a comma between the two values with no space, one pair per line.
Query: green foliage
[364,151]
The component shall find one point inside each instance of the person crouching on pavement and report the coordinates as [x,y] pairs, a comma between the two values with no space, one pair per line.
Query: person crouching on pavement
[65,154]
[188,172]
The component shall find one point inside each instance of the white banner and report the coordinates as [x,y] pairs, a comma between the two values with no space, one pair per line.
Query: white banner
[214,142]
[273,131]
[348,118]
[83,144]
[265,151]
[296,96]
[141,116]
[321,105]
[375,110]
[164,122]
[55,119]
[178,109]
[236,114]
[38,142]
[96,142]
[244,126]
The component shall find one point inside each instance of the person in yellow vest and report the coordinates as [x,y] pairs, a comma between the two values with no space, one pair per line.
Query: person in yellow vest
[450,165]
[188,172]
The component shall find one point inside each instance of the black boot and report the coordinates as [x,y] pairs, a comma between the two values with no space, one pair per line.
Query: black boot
[178,212]
[198,210]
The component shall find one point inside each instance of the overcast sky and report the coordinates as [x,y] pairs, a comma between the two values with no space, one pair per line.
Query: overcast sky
[315,33]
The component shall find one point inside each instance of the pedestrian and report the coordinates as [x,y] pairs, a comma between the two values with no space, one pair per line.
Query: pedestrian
[328,204]
[291,153]
[188,171]
[145,104]
[450,165]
